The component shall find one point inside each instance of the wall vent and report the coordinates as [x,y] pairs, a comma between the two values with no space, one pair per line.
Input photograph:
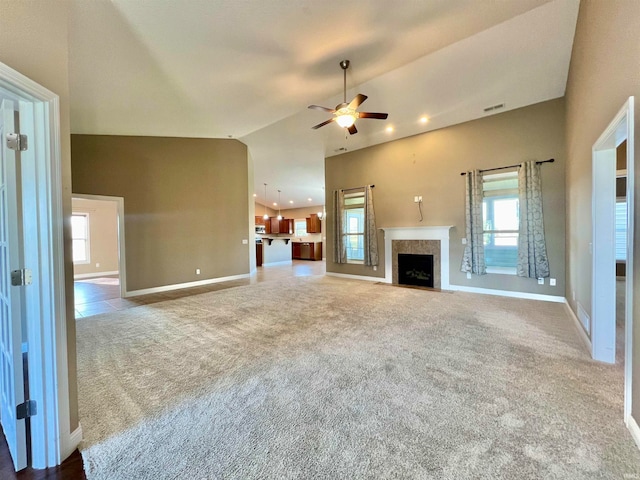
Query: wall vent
[584,319]
[494,107]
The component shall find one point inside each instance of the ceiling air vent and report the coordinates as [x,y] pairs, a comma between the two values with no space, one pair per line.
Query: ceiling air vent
[341,149]
[494,107]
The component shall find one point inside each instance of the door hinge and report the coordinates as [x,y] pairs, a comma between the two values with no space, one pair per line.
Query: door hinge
[26,409]
[16,141]
[21,277]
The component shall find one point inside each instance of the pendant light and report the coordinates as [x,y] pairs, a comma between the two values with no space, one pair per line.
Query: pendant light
[265,216]
[279,216]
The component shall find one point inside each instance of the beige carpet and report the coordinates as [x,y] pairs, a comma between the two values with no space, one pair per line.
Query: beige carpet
[326,378]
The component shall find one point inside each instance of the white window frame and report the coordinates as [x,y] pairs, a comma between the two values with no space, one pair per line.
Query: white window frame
[347,234]
[87,240]
[501,270]
[298,232]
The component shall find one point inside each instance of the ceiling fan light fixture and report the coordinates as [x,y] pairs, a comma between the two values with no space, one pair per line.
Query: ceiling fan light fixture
[345,119]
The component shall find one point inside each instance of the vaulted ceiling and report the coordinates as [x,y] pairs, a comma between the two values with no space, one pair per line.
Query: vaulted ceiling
[247,69]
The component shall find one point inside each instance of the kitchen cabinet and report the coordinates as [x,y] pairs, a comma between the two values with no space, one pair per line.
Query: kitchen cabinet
[259,220]
[306,250]
[258,254]
[314,225]
[273,225]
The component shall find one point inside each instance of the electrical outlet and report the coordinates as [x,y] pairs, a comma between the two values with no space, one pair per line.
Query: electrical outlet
[468,276]
[552,282]
[245,241]
[197,271]
[375,268]
[97,265]
[419,198]
[415,199]
[541,281]
[464,241]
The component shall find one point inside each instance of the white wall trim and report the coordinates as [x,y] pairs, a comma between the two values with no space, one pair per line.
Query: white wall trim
[508,293]
[178,286]
[356,277]
[72,442]
[271,264]
[581,331]
[632,425]
[80,276]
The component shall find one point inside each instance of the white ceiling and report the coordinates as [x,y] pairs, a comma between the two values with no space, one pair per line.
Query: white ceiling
[249,68]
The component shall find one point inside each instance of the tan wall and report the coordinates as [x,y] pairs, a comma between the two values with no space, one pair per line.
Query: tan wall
[103,235]
[602,75]
[43,57]
[185,201]
[430,165]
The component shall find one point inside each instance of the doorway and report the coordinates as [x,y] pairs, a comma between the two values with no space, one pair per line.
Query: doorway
[603,287]
[98,248]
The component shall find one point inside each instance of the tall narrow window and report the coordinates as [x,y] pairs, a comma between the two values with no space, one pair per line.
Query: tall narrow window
[301,228]
[354,232]
[501,221]
[621,230]
[80,235]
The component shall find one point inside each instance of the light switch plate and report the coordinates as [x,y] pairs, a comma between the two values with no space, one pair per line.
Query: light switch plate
[245,241]
[464,241]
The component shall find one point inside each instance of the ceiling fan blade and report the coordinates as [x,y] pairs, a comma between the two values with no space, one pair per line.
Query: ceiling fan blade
[324,123]
[379,116]
[352,129]
[324,109]
[357,101]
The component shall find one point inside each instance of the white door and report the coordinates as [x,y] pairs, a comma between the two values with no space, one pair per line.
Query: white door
[11,373]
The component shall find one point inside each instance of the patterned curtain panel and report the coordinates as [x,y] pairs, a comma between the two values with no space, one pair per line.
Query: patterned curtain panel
[339,247]
[532,249]
[370,233]
[473,258]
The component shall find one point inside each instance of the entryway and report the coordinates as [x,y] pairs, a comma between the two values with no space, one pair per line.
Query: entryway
[605,296]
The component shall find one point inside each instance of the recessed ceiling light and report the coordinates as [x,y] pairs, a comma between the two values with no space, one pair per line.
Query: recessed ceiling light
[424,119]
[311,200]
[255,194]
[389,128]
[275,204]
[290,201]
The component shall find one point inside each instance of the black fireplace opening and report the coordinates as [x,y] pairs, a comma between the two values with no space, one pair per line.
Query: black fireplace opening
[414,269]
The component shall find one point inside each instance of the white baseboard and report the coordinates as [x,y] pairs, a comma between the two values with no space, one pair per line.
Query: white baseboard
[178,286]
[634,429]
[356,277]
[72,442]
[581,331]
[508,293]
[94,275]
[271,264]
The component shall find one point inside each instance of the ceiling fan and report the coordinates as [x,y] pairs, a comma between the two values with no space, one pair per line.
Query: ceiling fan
[345,114]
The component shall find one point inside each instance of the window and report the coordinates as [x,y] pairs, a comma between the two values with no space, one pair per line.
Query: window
[621,230]
[80,235]
[354,229]
[300,228]
[501,220]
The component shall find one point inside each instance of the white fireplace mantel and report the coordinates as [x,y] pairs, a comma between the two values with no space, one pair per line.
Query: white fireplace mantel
[418,233]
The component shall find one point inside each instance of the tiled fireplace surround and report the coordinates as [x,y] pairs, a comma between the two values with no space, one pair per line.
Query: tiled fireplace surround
[418,240]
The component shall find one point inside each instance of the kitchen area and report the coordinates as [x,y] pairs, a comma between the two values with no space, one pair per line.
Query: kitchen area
[298,235]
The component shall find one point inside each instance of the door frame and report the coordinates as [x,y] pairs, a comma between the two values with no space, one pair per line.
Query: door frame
[51,438]
[603,330]
[122,258]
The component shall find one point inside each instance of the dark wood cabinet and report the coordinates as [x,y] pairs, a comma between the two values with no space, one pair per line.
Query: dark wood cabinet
[259,220]
[284,226]
[306,250]
[314,225]
[258,254]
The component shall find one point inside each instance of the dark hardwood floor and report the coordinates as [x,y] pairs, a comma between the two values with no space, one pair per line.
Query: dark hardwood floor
[71,468]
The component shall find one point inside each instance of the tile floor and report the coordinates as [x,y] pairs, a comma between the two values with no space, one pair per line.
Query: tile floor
[102,295]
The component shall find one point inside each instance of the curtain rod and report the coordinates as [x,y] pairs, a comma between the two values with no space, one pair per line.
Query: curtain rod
[355,188]
[551,160]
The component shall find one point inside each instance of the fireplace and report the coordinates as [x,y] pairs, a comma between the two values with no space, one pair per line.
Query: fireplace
[415,270]
[433,241]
